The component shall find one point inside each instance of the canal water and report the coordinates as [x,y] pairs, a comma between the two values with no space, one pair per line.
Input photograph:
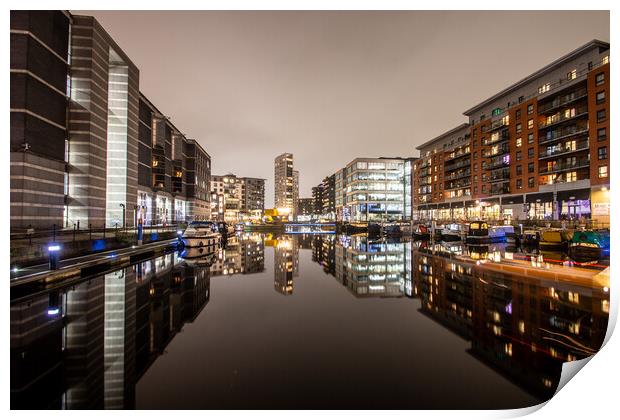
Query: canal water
[309,322]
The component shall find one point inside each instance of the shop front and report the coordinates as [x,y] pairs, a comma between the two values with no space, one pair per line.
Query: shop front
[512,208]
[574,204]
[539,206]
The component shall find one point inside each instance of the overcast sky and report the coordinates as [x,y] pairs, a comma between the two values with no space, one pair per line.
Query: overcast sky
[332,86]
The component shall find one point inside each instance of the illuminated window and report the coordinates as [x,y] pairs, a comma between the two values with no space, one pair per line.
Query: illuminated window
[530,123]
[571,176]
[544,88]
[573,297]
[508,349]
[605,60]
[530,109]
[572,74]
[519,142]
[602,171]
[522,327]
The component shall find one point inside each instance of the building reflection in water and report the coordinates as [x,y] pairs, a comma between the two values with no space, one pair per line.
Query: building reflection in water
[367,267]
[524,314]
[132,314]
[285,262]
[242,254]
[523,319]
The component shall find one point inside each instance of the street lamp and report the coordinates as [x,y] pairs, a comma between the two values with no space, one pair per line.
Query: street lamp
[123,207]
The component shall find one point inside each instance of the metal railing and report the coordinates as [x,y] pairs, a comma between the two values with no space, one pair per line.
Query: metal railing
[560,118]
[559,167]
[581,146]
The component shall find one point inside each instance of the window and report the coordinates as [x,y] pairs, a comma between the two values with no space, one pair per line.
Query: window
[484,164]
[602,171]
[521,99]
[484,177]
[519,142]
[599,79]
[530,167]
[601,134]
[519,169]
[602,153]
[519,184]
[530,123]
[519,155]
[605,60]
[544,88]
[600,115]
[530,182]
[518,128]
[517,114]
[475,178]
[530,152]
[484,188]
[600,97]
[475,155]
[571,176]
[571,74]
[496,111]
[530,109]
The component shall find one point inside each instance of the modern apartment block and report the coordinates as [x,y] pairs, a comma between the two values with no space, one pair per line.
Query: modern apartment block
[173,171]
[305,207]
[324,196]
[284,188]
[374,190]
[234,199]
[39,66]
[538,149]
[86,147]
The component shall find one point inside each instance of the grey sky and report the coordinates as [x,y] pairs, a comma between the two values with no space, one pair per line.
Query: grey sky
[332,86]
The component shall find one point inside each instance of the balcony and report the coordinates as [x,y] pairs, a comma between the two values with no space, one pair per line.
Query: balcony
[559,118]
[555,167]
[456,185]
[496,125]
[458,175]
[457,155]
[504,136]
[497,189]
[559,150]
[500,151]
[562,133]
[500,175]
[498,163]
[457,165]
[563,100]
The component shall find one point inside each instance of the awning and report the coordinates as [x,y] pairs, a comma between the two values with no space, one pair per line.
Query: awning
[489,201]
[583,194]
[443,206]
[513,199]
[540,197]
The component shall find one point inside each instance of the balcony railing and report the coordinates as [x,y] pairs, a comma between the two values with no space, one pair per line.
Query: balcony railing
[500,175]
[457,185]
[561,150]
[457,165]
[581,112]
[561,167]
[562,133]
[497,163]
[458,175]
[500,151]
[497,189]
[496,125]
[457,155]
[504,136]
[563,100]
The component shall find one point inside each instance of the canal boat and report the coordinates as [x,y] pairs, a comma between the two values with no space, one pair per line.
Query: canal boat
[530,238]
[554,239]
[589,244]
[199,256]
[421,233]
[453,232]
[201,234]
[480,232]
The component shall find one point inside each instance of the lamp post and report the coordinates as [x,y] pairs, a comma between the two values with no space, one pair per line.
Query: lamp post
[123,207]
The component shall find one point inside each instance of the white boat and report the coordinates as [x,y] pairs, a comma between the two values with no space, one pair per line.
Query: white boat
[453,232]
[201,234]
[480,232]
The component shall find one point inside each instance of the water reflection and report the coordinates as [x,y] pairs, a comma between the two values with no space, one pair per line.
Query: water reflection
[86,344]
[524,314]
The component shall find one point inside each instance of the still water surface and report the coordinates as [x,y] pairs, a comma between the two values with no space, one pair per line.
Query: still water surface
[303,321]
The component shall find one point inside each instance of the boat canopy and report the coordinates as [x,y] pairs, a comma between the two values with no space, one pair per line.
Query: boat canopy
[552,236]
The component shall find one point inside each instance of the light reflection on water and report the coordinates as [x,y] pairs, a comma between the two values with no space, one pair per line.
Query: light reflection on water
[104,342]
